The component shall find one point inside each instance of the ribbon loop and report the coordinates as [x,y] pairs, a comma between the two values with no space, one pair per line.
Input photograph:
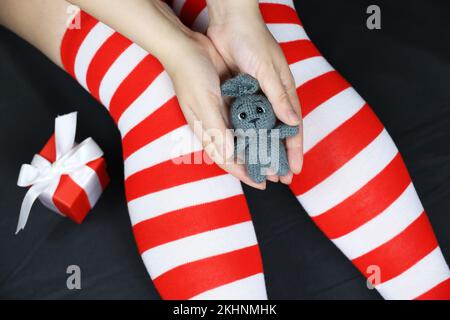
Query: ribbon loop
[42,175]
[28,175]
[65,130]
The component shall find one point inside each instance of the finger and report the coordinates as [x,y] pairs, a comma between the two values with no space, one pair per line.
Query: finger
[287,179]
[294,144]
[229,165]
[294,147]
[275,91]
[218,142]
[272,176]
[288,82]
[235,169]
[226,163]
[212,121]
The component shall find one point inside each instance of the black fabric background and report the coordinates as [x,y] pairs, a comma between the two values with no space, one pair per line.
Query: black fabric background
[401,70]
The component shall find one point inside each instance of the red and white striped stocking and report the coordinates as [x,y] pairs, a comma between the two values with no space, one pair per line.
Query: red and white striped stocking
[191,221]
[354,183]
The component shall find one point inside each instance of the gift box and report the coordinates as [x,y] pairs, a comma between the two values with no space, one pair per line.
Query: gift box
[67,177]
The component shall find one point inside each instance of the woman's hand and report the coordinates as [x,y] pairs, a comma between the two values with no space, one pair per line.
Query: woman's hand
[196,75]
[241,37]
[196,70]
[192,62]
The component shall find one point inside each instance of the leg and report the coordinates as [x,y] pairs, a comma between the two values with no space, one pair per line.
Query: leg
[354,183]
[191,221]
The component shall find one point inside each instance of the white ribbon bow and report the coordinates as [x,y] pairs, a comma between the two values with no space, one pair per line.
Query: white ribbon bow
[42,175]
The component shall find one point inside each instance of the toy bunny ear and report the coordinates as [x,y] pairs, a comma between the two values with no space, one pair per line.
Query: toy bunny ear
[241,85]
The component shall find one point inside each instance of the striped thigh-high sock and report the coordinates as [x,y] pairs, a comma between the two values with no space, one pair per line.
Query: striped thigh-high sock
[191,221]
[354,183]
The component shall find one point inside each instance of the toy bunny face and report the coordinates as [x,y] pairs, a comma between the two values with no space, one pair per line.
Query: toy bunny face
[249,110]
[252,112]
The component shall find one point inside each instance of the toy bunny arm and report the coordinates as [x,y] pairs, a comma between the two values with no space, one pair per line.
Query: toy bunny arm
[240,145]
[286,131]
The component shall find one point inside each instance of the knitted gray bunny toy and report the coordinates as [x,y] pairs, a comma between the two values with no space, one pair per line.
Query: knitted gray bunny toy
[259,139]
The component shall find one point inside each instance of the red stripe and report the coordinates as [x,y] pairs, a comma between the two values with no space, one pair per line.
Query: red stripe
[71,199]
[191,279]
[164,120]
[318,90]
[103,59]
[278,13]
[439,292]
[171,173]
[190,11]
[72,40]
[402,252]
[99,166]
[299,50]
[189,221]
[367,202]
[134,85]
[337,149]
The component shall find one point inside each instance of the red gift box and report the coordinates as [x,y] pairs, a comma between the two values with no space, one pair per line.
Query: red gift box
[71,199]
[66,177]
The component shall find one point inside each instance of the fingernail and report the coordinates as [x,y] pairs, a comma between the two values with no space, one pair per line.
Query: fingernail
[293,116]
[299,168]
[296,168]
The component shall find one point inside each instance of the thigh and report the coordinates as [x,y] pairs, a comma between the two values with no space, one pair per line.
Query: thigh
[354,183]
[189,217]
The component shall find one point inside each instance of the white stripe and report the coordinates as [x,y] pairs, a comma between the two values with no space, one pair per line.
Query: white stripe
[288,3]
[178,142]
[350,177]
[331,114]
[87,179]
[287,32]
[183,196]
[309,69]
[119,70]
[156,94]
[46,198]
[384,227]
[93,41]
[423,276]
[250,288]
[170,255]
[201,22]
[177,6]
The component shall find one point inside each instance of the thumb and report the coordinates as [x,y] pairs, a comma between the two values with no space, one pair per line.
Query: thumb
[278,95]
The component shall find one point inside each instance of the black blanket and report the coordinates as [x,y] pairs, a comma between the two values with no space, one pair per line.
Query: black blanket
[401,70]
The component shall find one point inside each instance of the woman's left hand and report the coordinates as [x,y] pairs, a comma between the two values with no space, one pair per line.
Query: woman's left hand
[240,35]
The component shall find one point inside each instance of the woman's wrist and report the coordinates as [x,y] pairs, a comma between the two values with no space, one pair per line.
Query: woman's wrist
[162,34]
[221,11]
[148,23]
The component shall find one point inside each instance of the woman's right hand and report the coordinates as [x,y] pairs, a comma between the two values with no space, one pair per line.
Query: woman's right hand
[192,62]
[196,75]
[196,70]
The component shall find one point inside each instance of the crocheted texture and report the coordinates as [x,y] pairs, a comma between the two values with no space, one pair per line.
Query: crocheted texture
[258,138]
